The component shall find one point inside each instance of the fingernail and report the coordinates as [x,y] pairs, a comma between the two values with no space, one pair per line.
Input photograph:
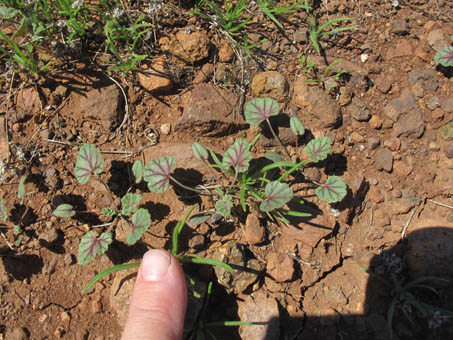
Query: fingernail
[155,265]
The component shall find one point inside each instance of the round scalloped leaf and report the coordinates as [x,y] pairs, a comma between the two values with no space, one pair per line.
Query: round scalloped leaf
[445,56]
[90,245]
[157,173]
[200,152]
[296,125]
[224,205]
[89,162]
[64,210]
[318,149]
[108,212]
[137,170]
[260,109]
[130,203]
[334,190]
[238,156]
[277,195]
[3,211]
[141,221]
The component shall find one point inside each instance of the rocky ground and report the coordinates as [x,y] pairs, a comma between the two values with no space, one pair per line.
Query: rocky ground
[391,122]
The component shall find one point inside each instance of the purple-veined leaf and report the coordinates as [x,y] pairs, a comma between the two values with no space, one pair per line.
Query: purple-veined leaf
[91,245]
[89,162]
[445,56]
[260,109]
[296,125]
[277,195]
[3,211]
[200,152]
[238,156]
[141,221]
[64,210]
[137,170]
[157,173]
[318,149]
[130,203]
[224,205]
[334,190]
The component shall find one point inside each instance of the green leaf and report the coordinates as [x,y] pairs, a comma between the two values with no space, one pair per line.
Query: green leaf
[297,126]
[130,203]
[334,190]
[21,189]
[238,155]
[274,157]
[318,149]
[89,162]
[7,12]
[64,210]
[260,109]
[224,205]
[445,56]
[200,152]
[90,245]
[3,211]
[157,173]
[277,195]
[109,212]
[137,170]
[202,260]
[177,231]
[16,230]
[141,221]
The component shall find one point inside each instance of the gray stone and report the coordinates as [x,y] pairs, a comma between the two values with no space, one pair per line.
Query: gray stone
[270,84]
[436,40]
[383,159]
[259,308]
[446,103]
[405,103]
[358,110]
[373,143]
[428,79]
[433,103]
[400,27]
[210,112]
[409,125]
[448,150]
[320,108]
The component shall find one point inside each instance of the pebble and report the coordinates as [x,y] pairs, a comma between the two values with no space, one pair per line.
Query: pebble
[254,232]
[69,259]
[383,159]
[226,53]
[433,146]
[373,143]
[270,84]
[376,195]
[393,143]
[448,150]
[49,237]
[375,122]
[280,266]
[165,129]
[17,333]
[196,242]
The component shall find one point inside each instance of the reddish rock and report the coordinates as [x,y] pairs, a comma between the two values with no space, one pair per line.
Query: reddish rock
[384,83]
[383,159]
[393,143]
[253,230]
[226,53]
[376,195]
[188,47]
[206,72]
[155,78]
[280,266]
[270,84]
[402,168]
[402,49]
[28,101]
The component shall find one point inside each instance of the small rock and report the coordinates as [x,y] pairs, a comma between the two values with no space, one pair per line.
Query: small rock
[373,143]
[206,72]
[448,150]
[64,316]
[402,169]
[427,78]
[446,131]
[254,232]
[49,237]
[375,122]
[345,96]
[403,205]
[189,47]
[446,103]
[400,27]
[280,266]
[313,174]
[383,159]
[436,40]
[418,90]
[270,84]
[319,106]
[155,78]
[409,125]
[397,107]
[52,178]
[28,103]
[165,129]
[226,53]
[402,49]
[393,143]
[300,36]
[196,242]
[69,259]
[356,137]
[376,195]
[17,333]
[259,308]
[363,57]
[121,293]
[384,83]
[432,103]
[358,110]
[433,146]
[49,267]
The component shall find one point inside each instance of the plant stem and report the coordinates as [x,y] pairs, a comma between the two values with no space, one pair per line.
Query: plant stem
[108,190]
[279,140]
[189,188]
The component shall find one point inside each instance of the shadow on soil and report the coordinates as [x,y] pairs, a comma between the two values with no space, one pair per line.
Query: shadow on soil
[423,253]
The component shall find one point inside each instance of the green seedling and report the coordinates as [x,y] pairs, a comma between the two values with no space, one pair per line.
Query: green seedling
[317,32]
[326,79]
[273,10]
[4,217]
[406,293]
[445,57]
[183,258]
[90,163]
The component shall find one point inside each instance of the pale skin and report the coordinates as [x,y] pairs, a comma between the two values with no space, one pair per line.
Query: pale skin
[159,300]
